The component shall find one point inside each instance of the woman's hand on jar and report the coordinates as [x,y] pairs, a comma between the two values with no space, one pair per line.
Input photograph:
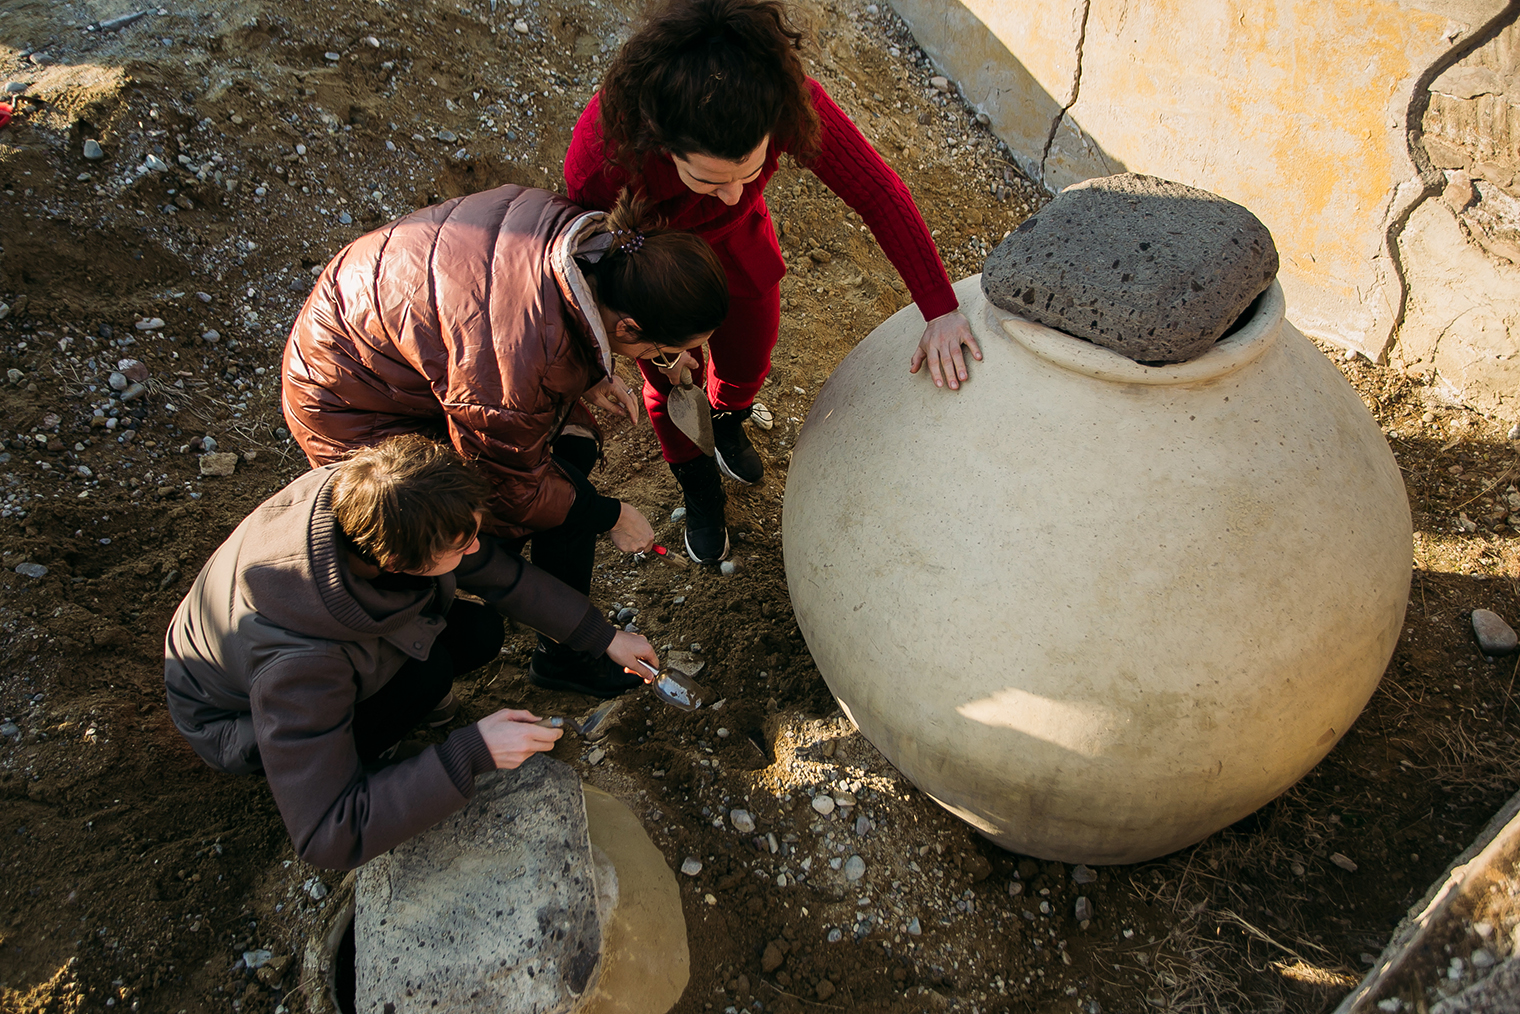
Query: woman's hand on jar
[612,395]
[941,347]
[632,533]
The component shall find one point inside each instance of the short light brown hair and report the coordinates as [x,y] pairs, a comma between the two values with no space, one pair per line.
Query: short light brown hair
[406,502]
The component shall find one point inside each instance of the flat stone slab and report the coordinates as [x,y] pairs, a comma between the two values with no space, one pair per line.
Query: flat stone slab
[494,909]
[1155,270]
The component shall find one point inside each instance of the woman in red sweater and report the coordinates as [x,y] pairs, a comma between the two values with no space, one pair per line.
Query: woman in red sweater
[695,111]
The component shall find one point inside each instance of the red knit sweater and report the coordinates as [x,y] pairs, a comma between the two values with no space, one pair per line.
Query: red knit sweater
[743,235]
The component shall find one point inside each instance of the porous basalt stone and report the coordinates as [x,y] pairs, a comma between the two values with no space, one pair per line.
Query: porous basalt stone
[1155,270]
[493,909]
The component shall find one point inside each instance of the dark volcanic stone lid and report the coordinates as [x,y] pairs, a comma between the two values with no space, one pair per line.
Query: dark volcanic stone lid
[1155,270]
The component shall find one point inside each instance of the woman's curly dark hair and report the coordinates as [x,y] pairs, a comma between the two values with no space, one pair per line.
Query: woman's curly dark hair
[708,77]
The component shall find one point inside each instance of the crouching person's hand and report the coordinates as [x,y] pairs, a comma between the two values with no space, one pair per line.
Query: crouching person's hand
[512,737]
[628,649]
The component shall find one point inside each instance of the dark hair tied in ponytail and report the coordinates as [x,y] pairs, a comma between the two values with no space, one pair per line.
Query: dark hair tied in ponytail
[674,289]
[625,241]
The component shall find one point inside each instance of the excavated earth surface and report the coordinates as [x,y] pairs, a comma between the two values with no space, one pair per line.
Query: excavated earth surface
[243,144]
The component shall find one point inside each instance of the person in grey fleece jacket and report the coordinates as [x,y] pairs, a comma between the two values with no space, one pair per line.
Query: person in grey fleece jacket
[284,656]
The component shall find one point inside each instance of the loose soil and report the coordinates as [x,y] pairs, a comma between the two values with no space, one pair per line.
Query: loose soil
[244,144]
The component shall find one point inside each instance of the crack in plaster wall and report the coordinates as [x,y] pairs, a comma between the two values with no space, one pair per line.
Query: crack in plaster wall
[1427,182]
[1072,95]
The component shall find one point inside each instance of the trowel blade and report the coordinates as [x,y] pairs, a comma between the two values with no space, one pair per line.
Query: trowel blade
[596,724]
[690,410]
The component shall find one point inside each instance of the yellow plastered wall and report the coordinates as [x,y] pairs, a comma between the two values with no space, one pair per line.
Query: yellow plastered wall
[1296,109]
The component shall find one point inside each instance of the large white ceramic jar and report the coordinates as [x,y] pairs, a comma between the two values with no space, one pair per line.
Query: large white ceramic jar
[1097,609]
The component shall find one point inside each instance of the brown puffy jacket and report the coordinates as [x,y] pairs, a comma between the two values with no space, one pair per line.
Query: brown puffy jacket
[467,321]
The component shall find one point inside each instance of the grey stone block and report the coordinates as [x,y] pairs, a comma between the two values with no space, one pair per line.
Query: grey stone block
[494,909]
[1155,270]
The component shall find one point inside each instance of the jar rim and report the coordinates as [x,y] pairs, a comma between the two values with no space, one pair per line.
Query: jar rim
[1226,356]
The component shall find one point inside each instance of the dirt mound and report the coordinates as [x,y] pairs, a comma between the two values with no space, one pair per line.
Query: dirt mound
[242,145]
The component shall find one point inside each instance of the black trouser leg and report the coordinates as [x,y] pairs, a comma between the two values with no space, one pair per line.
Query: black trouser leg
[472,638]
[567,551]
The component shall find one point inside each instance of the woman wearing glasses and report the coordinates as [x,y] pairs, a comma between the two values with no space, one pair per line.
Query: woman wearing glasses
[490,322]
[695,111]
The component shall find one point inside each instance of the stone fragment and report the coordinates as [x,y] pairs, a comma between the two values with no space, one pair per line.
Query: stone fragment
[691,866]
[219,464]
[742,821]
[1495,637]
[1154,270]
[117,381]
[1083,909]
[492,909]
[133,392]
[150,324]
[940,84]
[915,928]
[823,804]
[92,150]
[16,87]
[274,970]
[254,960]
[31,570]
[772,958]
[1083,874]
[854,868]
[155,164]
[1459,192]
[1344,862]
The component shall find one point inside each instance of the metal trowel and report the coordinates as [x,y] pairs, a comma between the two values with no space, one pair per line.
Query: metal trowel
[676,688]
[690,410]
[593,726]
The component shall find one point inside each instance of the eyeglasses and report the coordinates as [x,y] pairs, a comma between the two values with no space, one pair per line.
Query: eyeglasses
[665,360]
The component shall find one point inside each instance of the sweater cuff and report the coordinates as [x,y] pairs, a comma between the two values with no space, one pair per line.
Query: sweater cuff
[592,512]
[465,755]
[937,303]
[593,634]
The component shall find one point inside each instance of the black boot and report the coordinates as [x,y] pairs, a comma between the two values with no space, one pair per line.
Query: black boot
[556,667]
[706,533]
[737,458]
